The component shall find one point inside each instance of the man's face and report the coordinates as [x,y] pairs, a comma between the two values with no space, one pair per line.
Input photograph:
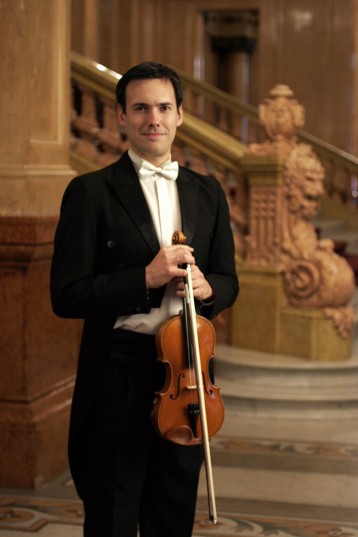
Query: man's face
[151,118]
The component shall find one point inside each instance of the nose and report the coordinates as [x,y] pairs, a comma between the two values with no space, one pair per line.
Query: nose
[153,118]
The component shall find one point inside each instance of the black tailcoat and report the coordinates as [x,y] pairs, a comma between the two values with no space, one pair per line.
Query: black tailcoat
[104,240]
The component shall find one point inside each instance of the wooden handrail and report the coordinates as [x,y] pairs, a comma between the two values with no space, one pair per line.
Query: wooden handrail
[219,97]
[103,80]
[94,75]
[214,124]
[204,137]
[329,150]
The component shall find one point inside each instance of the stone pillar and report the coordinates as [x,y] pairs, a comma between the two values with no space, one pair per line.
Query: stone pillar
[38,351]
[257,315]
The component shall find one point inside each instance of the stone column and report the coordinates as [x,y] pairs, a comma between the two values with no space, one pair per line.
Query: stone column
[38,351]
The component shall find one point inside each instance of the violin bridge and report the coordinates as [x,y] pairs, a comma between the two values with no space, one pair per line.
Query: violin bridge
[191,387]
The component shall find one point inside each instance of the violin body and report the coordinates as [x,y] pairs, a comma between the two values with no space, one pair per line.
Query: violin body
[176,412]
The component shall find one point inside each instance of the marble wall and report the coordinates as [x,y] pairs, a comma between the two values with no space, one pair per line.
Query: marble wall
[38,352]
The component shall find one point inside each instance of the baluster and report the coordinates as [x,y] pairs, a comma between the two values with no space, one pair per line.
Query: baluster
[223,122]
[112,144]
[85,124]
[210,112]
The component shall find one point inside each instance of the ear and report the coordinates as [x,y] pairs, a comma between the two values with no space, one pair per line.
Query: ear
[180,115]
[121,116]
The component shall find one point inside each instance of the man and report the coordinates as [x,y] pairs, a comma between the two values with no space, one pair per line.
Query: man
[114,266]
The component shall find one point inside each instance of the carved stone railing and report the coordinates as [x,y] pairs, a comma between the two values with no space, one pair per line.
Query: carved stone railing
[242,121]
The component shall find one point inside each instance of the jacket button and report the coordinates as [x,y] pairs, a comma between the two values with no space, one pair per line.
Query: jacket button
[111,244]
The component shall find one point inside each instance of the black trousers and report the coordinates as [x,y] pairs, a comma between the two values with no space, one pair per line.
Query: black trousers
[133,478]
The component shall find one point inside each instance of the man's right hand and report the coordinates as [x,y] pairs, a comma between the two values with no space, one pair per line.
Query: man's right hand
[165,265]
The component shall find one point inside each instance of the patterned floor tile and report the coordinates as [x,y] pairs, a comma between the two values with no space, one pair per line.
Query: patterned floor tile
[255,526]
[32,514]
[48,514]
[58,518]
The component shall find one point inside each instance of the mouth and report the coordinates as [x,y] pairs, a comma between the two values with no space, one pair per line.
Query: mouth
[152,135]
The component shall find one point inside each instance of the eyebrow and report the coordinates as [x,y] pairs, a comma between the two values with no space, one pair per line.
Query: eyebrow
[166,103]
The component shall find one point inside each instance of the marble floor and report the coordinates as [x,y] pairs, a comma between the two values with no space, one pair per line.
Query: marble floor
[279,478]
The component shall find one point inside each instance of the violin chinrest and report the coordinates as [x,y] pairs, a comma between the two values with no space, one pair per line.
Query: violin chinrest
[182,435]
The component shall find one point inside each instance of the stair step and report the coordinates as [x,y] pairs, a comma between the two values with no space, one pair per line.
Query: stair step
[283,386]
[279,486]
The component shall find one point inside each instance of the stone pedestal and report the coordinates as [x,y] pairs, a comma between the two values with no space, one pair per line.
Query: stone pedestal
[282,247]
[310,334]
[38,351]
[261,321]
[256,315]
[38,357]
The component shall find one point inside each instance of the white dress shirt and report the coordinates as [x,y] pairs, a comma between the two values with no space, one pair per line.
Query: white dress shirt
[148,323]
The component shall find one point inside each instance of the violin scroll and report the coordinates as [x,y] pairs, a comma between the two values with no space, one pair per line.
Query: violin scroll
[178,237]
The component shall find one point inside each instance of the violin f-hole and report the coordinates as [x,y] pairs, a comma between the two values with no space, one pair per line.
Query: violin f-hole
[173,397]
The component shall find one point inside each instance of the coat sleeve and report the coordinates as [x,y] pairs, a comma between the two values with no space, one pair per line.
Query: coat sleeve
[79,288]
[221,270]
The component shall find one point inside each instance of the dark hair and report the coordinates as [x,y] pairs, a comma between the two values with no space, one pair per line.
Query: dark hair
[147,70]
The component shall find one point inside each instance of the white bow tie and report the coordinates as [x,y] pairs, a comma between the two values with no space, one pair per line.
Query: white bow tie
[169,170]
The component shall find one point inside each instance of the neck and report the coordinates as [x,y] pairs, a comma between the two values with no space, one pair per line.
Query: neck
[156,161]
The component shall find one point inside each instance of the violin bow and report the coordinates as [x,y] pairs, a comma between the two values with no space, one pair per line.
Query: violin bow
[189,297]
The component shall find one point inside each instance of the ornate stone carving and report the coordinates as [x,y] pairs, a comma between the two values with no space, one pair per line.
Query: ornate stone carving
[314,275]
[281,115]
[265,226]
[343,319]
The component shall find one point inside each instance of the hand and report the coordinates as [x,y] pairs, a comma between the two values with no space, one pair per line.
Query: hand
[164,267]
[201,288]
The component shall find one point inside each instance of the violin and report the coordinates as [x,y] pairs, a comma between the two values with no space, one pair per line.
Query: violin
[188,410]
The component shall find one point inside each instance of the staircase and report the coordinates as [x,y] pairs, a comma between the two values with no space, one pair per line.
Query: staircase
[289,444]
[273,386]
[300,468]
[262,385]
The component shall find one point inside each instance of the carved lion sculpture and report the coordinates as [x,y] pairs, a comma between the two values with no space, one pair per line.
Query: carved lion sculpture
[314,275]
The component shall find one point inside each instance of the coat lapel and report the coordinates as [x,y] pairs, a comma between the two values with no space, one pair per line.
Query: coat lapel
[188,189]
[127,187]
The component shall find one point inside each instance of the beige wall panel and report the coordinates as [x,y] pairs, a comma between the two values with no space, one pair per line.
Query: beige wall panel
[47,81]
[309,45]
[32,84]
[340,77]
[77,29]
[115,25]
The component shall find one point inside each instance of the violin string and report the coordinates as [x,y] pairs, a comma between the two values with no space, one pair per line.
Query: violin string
[190,357]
